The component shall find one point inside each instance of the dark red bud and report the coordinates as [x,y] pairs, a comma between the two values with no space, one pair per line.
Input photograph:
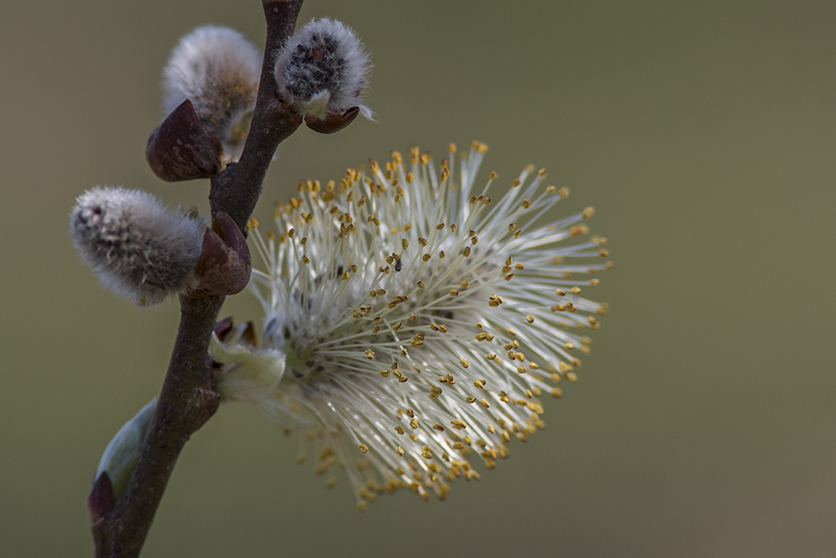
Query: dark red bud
[181,148]
[248,335]
[225,265]
[101,499]
[223,327]
[332,122]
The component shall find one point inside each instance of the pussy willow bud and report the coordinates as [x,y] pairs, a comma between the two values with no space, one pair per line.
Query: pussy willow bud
[332,123]
[225,264]
[218,70]
[119,459]
[226,330]
[182,148]
[322,71]
[101,499]
[139,250]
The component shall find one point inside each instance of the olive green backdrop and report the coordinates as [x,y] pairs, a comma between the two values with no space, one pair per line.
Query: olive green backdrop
[704,133]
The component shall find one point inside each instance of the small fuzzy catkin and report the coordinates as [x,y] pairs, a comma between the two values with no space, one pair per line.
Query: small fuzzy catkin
[323,69]
[140,250]
[218,70]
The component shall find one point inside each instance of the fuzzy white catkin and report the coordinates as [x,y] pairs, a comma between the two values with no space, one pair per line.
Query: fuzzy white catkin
[218,70]
[332,78]
[139,250]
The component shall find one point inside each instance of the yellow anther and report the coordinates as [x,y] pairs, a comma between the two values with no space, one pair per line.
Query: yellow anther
[364,448]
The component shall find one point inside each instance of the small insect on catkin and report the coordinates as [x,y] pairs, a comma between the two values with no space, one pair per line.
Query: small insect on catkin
[139,250]
[218,70]
[323,69]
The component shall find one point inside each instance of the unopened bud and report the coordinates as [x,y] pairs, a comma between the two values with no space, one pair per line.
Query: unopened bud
[322,71]
[223,328]
[225,264]
[226,332]
[118,461]
[139,250]
[218,70]
[332,122]
[101,499]
[182,148]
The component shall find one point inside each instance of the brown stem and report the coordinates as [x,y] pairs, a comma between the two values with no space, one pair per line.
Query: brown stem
[187,399]
[236,190]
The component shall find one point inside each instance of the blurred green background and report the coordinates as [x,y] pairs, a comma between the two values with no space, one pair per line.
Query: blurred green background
[704,133]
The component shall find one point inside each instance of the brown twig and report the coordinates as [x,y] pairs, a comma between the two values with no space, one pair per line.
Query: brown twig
[187,399]
[236,190]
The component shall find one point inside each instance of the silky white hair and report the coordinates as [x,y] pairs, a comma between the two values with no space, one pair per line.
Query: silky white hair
[330,82]
[218,70]
[139,250]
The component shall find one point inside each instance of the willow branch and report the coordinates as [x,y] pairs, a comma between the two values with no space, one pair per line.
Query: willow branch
[236,190]
[188,399]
